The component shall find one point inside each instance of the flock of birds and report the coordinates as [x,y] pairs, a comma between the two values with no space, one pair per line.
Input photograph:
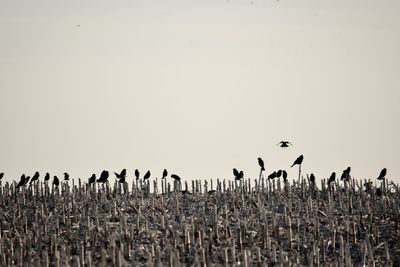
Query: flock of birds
[238,175]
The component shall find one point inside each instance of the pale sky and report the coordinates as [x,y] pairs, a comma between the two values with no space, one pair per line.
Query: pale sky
[199,87]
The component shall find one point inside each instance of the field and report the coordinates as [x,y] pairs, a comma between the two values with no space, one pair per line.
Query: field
[200,223]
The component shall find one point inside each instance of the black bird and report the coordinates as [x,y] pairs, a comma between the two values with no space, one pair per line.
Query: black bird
[284,176]
[34,177]
[261,163]
[137,174]
[121,176]
[235,172]
[298,161]
[146,176]
[284,144]
[346,174]
[103,177]
[332,178]
[278,173]
[92,179]
[312,178]
[164,174]
[21,181]
[27,180]
[272,176]
[66,176]
[240,175]
[176,177]
[1,175]
[47,176]
[56,181]
[382,174]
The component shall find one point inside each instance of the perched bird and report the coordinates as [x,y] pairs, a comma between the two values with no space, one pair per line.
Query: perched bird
[240,175]
[137,174]
[382,174]
[298,161]
[47,176]
[312,178]
[284,176]
[56,181]
[176,177]
[346,174]
[92,179]
[146,176]
[332,178]
[34,177]
[235,172]
[27,180]
[121,176]
[1,175]
[21,181]
[66,176]
[103,177]
[164,174]
[284,144]
[272,176]
[261,163]
[278,173]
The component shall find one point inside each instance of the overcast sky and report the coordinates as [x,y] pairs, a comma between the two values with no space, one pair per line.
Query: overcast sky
[199,87]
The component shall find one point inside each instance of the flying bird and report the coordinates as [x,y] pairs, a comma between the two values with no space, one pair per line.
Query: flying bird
[103,176]
[21,181]
[92,179]
[66,176]
[47,177]
[284,144]
[312,178]
[261,163]
[146,176]
[382,174]
[332,178]
[137,174]
[164,174]
[298,161]
[56,181]
[34,177]
[1,175]
[272,176]
[176,177]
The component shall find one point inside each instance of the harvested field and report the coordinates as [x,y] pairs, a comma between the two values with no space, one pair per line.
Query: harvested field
[201,223]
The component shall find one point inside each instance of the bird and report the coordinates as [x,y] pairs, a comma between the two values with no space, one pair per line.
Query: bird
[137,174]
[312,178]
[92,179]
[103,176]
[272,176]
[47,176]
[332,178]
[240,175]
[284,144]
[346,174]
[66,176]
[56,181]
[121,176]
[146,176]
[278,173]
[1,175]
[27,180]
[284,176]
[298,161]
[261,163]
[176,177]
[164,174]
[382,174]
[21,181]
[34,177]
[235,172]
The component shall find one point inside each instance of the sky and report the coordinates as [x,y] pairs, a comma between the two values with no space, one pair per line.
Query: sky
[199,87]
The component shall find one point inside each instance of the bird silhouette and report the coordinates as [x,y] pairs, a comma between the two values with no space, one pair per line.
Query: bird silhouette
[137,174]
[47,177]
[284,144]
[34,177]
[240,175]
[332,178]
[298,161]
[92,179]
[56,181]
[272,176]
[346,174]
[27,180]
[284,176]
[121,175]
[146,176]
[312,178]
[164,174]
[382,174]
[21,181]
[235,172]
[1,175]
[176,177]
[261,163]
[278,174]
[103,177]
[66,176]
